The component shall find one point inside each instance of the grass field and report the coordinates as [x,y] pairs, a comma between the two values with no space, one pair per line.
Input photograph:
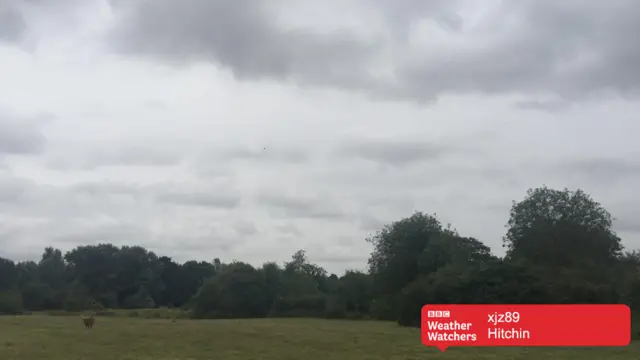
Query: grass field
[43,337]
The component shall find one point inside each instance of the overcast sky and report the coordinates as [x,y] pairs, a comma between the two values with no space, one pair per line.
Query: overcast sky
[248,129]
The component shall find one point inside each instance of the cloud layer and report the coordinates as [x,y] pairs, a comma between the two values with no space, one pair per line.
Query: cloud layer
[250,129]
[401,50]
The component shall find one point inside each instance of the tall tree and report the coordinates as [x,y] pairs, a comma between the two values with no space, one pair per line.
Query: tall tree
[52,268]
[394,261]
[559,229]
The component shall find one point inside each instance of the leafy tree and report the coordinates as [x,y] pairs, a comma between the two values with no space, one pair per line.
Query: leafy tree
[492,282]
[138,277]
[52,269]
[8,274]
[11,302]
[273,282]
[239,291]
[568,238]
[175,291]
[560,249]
[28,272]
[394,262]
[449,248]
[355,290]
[558,229]
[95,269]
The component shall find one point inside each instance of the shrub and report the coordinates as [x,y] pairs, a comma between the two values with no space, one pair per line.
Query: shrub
[335,308]
[106,313]
[300,306]
[11,302]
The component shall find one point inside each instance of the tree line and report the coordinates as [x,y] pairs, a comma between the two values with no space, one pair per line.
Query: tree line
[560,248]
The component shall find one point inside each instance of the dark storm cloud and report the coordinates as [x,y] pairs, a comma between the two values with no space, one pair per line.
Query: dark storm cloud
[20,136]
[573,49]
[301,207]
[12,25]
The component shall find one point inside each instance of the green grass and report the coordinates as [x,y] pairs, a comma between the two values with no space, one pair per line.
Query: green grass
[159,313]
[42,337]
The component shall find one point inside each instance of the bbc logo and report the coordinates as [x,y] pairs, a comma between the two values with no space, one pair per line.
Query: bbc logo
[438,314]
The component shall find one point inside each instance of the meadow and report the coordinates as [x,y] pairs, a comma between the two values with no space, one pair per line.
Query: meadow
[164,336]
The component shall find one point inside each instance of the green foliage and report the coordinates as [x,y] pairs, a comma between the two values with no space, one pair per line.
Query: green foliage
[300,306]
[557,229]
[335,308]
[560,249]
[11,302]
[239,291]
[354,289]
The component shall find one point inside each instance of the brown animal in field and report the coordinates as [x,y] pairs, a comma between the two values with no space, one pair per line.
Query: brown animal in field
[88,322]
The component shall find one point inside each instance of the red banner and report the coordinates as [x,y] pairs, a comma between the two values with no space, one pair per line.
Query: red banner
[525,325]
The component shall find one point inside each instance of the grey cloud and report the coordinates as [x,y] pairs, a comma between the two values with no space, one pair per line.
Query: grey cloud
[341,259]
[393,152]
[347,241]
[34,216]
[599,170]
[219,163]
[107,188]
[23,197]
[624,211]
[197,244]
[371,224]
[12,190]
[25,238]
[118,232]
[290,229]
[203,199]
[572,49]
[402,182]
[549,105]
[20,136]
[268,153]
[344,255]
[301,207]
[12,24]
[240,35]
[286,240]
[627,225]
[401,15]
[126,155]
[245,228]
[24,23]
